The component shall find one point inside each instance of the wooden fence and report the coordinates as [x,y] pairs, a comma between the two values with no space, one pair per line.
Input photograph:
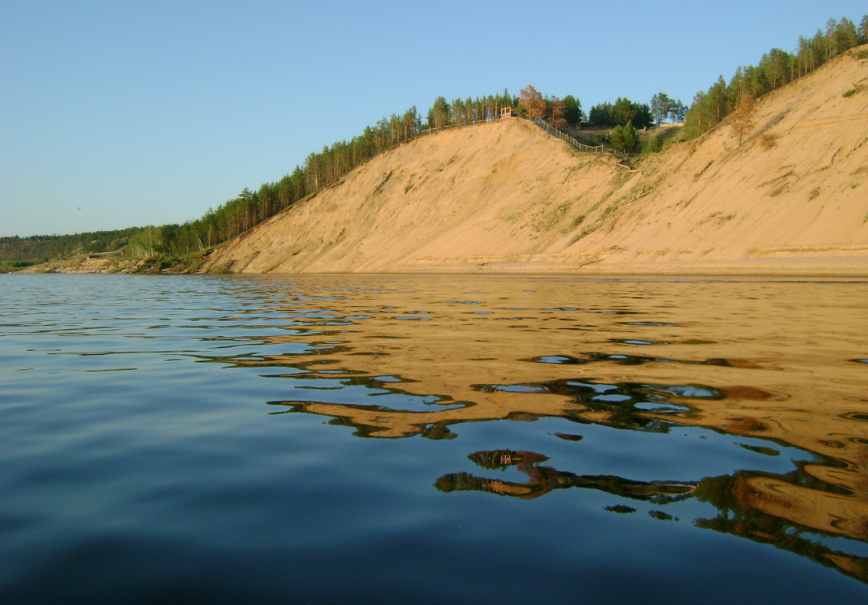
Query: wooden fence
[580,147]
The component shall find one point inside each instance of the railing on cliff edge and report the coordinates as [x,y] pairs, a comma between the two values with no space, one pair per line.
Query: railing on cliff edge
[580,147]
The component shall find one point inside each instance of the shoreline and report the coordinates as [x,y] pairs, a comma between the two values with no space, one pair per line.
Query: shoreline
[834,268]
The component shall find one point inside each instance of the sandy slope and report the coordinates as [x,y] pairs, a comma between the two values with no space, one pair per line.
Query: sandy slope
[505,197]
[89,265]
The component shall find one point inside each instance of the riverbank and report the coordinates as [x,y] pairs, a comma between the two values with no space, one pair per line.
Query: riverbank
[853,267]
[788,198]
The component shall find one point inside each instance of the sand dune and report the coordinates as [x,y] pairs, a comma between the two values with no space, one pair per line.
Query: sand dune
[506,197]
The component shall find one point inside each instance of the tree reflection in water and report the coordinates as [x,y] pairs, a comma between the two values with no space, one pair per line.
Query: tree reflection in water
[776,509]
[544,479]
[777,363]
[730,494]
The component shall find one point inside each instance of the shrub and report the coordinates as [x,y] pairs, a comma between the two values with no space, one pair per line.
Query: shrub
[768,140]
[653,145]
[625,138]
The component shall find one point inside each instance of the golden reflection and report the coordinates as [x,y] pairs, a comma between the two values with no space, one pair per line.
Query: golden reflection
[544,479]
[773,360]
[734,496]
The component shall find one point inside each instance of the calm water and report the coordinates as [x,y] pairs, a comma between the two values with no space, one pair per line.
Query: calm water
[346,439]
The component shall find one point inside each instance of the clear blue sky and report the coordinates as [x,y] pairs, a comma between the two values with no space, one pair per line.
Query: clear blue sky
[128,113]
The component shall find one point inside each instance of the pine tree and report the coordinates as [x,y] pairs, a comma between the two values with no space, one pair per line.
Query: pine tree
[616,138]
[630,138]
[573,110]
[661,105]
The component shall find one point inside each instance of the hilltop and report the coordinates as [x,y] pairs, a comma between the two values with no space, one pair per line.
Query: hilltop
[506,197]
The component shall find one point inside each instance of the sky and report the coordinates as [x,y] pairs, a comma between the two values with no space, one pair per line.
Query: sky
[127,113]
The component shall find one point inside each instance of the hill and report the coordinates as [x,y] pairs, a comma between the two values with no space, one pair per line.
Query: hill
[505,197]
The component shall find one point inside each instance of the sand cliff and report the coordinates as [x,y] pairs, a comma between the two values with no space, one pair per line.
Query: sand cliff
[506,197]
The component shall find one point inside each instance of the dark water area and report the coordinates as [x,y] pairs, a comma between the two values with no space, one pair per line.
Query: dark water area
[440,439]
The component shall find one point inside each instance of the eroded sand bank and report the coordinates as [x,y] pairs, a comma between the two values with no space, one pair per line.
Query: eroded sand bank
[505,197]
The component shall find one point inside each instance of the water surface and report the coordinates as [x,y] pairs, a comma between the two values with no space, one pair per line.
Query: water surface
[334,439]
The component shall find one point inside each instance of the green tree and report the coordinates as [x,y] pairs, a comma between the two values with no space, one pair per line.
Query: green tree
[661,105]
[438,115]
[572,110]
[845,36]
[777,67]
[624,138]
[410,123]
[601,114]
[653,145]
[624,110]
[284,192]
[148,243]
[678,111]
[458,116]
[643,117]
[631,138]
[616,138]
[267,201]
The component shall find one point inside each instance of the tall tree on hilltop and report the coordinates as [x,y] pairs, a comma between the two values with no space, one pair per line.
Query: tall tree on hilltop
[661,105]
[438,116]
[623,111]
[284,191]
[831,26]
[558,113]
[572,110]
[458,111]
[266,201]
[718,96]
[777,67]
[410,123]
[532,102]
[845,36]
[678,111]
[601,114]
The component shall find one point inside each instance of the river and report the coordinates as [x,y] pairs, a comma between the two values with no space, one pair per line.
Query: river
[442,439]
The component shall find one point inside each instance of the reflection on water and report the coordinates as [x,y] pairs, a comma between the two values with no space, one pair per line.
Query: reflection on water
[543,479]
[735,406]
[752,364]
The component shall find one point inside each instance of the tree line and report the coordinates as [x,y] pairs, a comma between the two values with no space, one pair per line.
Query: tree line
[775,69]
[319,170]
[40,248]
[322,169]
